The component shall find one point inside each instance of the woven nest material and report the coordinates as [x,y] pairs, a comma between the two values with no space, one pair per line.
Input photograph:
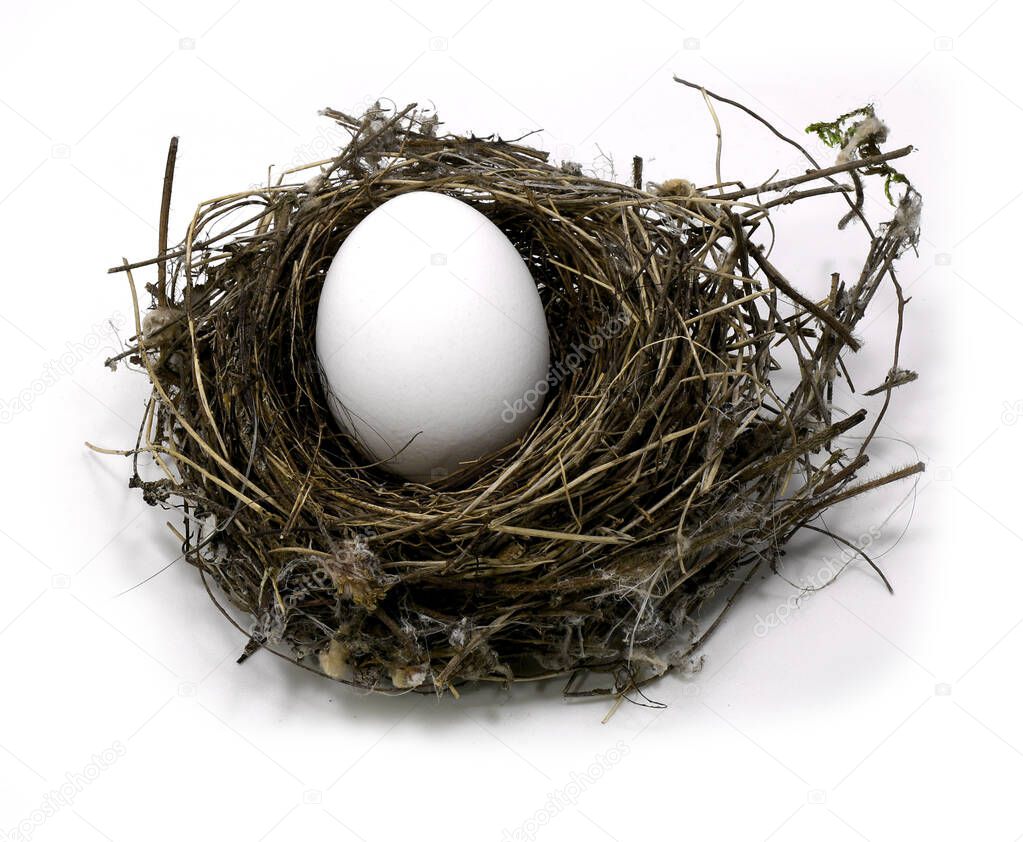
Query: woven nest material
[663,467]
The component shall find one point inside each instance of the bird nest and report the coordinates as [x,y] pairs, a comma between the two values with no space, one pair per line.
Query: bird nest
[664,469]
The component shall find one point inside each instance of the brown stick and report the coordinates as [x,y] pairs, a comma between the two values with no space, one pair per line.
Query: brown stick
[821,313]
[168,183]
[813,175]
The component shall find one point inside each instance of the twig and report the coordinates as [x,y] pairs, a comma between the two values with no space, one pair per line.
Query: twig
[814,175]
[165,203]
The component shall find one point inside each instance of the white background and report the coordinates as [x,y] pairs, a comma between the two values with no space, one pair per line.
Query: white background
[858,716]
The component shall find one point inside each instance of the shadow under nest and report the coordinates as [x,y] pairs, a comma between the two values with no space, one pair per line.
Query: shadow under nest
[662,469]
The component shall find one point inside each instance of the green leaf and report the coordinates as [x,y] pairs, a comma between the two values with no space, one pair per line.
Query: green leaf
[838,133]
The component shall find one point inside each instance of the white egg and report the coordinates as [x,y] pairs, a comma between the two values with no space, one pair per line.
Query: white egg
[431,336]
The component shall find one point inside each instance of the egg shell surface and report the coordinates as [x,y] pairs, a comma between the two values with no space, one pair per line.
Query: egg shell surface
[431,337]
